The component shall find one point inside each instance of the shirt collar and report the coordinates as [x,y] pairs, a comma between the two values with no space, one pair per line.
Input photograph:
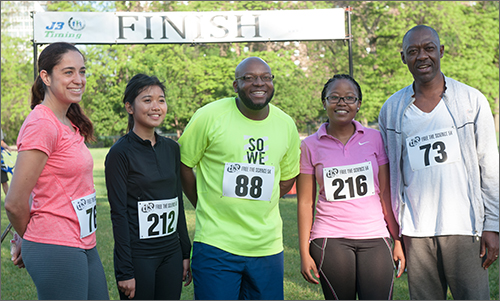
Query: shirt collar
[140,140]
[322,129]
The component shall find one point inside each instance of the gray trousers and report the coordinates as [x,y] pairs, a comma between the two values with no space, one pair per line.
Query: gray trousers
[65,273]
[434,263]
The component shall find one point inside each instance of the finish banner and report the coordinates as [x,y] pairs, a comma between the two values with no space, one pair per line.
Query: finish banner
[189,27]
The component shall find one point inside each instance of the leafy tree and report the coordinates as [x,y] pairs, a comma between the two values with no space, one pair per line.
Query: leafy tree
[197,74]
[16,79]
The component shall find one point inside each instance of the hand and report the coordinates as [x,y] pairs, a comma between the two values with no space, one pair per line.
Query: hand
[398,254]
[127,287]
[15,251]
[186,275]
[489,241]
[308,264]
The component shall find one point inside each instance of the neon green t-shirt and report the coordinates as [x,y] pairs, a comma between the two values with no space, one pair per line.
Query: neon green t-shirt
[235,159]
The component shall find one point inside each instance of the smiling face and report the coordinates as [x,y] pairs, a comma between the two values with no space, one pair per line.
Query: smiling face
[422,54]
[67,81]
[257,94]
[149,109]
[341,114]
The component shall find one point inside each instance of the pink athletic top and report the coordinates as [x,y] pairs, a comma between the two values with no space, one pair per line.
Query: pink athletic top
[67,175]
[360,218]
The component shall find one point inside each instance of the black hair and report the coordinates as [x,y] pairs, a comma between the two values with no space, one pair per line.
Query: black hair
[341,76]
[135,86]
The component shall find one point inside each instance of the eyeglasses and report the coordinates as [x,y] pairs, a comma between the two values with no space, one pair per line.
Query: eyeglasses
[253,78]
[336,99]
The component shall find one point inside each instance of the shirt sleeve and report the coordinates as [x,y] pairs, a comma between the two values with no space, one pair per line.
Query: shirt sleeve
[382,158]
[290,164]
[306,166]
[193,140]
[38,134]
[487,155]
[116,171]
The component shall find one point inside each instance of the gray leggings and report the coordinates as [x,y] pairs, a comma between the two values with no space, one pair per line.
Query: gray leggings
[65,273]
[350,267]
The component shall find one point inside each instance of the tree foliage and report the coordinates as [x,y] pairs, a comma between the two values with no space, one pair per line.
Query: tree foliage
[195,75]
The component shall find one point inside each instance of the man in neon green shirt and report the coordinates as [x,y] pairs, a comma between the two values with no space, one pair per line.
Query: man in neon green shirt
[246,152]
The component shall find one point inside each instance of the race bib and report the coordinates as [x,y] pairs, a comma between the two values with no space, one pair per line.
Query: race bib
[343,183]
[85,209]
[248,181]
[434,148]
[157,218]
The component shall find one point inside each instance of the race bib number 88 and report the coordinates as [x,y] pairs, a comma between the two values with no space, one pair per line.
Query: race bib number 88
[157,218]
[248,181]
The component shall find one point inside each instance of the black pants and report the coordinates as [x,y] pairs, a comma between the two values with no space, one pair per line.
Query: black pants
[158,278]
[354,266]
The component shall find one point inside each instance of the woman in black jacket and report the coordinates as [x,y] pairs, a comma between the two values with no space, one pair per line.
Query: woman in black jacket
[152,247]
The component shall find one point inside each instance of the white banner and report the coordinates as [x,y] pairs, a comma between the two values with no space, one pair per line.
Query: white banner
[189,27]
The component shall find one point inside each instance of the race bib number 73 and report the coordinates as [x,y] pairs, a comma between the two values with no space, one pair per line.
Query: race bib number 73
[433,148]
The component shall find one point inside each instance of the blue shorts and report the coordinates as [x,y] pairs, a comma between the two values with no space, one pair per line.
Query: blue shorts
[219,275]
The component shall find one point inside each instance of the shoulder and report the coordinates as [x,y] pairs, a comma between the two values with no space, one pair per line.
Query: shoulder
[217,106]
[169,143]
[276,112]
[395,98]
[310,141]
[42,114]
[458,87]
[213,111]
[121,146]
[40,125]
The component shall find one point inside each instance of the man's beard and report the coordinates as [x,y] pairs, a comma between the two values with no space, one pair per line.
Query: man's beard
[249,103]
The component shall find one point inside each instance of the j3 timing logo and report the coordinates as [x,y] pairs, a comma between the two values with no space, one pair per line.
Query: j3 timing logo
[256,150]
[55,29]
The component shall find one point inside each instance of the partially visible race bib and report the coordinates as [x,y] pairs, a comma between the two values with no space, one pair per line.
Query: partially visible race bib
[157,218]
[85,209]
[348,182]
[248,181]
[433,148]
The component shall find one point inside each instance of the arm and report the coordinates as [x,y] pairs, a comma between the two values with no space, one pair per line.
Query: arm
[182,226]
[306,194]
[116,172]
[4,145]
[188,179]
[29,167]
[487,154]
[385,200]
[285,186]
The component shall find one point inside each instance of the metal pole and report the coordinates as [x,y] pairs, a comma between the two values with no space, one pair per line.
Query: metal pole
[35,49]
[349,10]
[4,234]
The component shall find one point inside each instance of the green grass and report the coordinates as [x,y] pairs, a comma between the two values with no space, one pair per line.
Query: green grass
[17,284]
